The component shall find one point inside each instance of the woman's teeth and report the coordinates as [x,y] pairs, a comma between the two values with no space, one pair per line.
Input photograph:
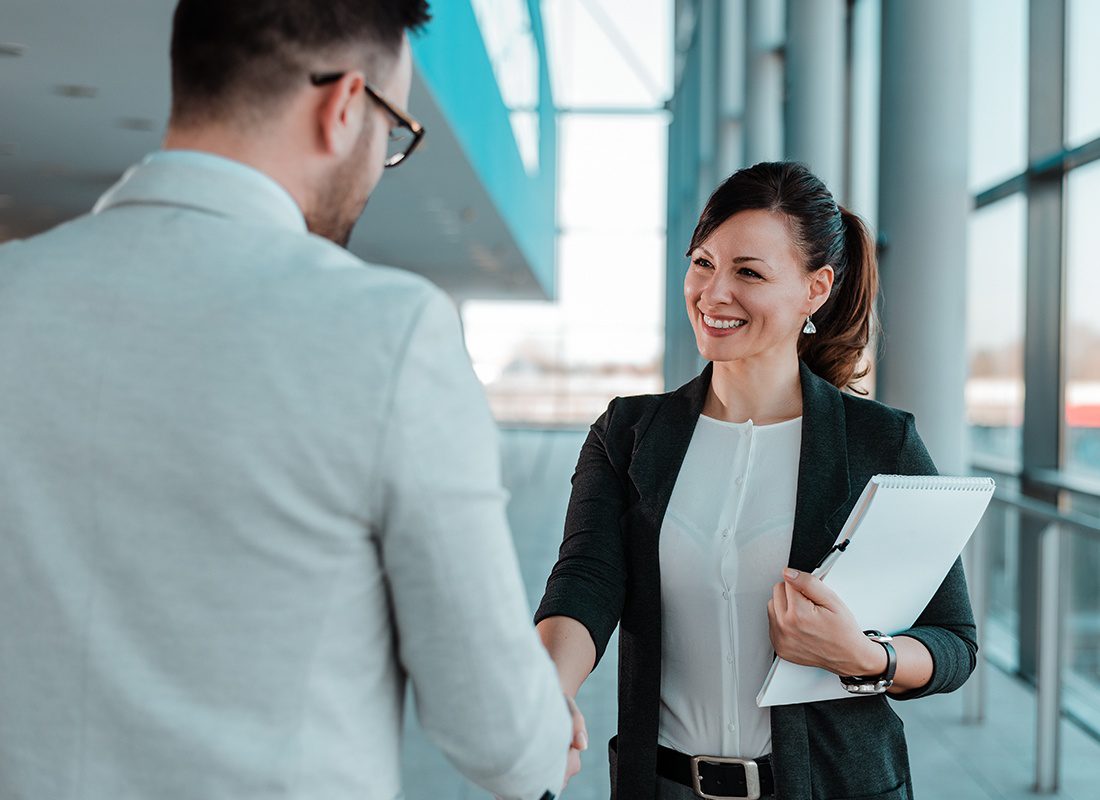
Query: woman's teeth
[723,323]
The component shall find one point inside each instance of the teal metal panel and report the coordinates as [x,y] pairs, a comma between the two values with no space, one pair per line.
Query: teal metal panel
[685,159]
[451,57]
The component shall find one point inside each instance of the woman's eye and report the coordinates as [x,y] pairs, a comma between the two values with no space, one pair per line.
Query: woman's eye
[749,273]
[703,263]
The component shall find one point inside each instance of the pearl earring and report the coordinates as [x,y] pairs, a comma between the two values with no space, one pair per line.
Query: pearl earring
[809,327]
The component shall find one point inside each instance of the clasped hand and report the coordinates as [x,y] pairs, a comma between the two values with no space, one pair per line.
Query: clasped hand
[579,742]
[810,625]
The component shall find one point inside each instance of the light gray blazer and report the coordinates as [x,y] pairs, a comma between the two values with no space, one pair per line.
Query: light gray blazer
[248,483]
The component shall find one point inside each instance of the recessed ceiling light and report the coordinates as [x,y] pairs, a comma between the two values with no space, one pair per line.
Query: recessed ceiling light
[136,124]
[76,90]
[12,49]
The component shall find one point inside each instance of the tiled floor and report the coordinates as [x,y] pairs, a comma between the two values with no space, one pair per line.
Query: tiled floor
[950,760]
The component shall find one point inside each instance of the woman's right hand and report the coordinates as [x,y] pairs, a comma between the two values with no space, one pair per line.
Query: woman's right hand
[571,649]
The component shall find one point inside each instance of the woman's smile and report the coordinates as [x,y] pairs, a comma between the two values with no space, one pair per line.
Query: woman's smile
[718,326]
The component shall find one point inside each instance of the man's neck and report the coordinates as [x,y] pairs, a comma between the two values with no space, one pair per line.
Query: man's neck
[252,152]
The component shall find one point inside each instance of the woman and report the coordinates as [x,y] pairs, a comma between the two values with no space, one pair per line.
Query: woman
[687,507]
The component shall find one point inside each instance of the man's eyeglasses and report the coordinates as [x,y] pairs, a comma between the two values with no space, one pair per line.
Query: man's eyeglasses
[403,139]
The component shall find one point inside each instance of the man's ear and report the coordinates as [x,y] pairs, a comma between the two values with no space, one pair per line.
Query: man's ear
[340,114]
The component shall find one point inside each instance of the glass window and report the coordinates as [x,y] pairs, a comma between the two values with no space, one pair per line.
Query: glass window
[1082,413]
[560,363]
[998,108]
[995,329]
[506,27]
[1082,69]
[613,53]
[612,292]
[614,177]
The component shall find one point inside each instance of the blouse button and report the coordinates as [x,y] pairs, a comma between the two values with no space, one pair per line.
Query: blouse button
[739,480]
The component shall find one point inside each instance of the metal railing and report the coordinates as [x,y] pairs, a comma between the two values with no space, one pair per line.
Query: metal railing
[1051,604]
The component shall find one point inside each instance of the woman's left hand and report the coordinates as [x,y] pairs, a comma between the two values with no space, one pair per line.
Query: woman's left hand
[810,625]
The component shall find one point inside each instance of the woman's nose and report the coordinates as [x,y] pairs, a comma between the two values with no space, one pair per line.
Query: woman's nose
[719,290]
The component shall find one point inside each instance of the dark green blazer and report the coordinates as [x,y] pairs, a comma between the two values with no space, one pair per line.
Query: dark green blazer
[608,574]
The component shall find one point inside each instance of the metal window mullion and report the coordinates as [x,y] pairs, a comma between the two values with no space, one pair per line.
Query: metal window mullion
[680,355]
[1040,655]
[707,121]
[764,75]
[1052,607]
[976,558]
[733,63]
[1051,166]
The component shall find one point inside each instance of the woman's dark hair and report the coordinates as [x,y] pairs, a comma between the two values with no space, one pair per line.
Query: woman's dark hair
[232,57]
[824,233]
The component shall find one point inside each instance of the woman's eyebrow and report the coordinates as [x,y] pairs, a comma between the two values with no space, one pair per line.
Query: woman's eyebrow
[736,260]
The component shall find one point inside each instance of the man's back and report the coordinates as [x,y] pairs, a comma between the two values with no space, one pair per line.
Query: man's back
[229,473]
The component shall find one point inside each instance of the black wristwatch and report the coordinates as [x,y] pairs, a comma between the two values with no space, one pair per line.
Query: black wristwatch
[875,684]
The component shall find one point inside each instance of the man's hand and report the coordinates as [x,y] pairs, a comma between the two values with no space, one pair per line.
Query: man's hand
[579,743]
[810,625]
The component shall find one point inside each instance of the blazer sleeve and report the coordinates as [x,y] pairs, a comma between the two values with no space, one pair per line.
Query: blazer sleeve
[486,691]
[946,626]
[588,582]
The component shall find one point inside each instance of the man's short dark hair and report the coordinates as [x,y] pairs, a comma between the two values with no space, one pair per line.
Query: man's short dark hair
[232,59]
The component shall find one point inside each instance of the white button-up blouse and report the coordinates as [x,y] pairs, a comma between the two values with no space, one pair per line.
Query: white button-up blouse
[725,540]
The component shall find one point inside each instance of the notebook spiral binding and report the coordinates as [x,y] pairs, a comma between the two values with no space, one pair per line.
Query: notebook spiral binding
[935,482]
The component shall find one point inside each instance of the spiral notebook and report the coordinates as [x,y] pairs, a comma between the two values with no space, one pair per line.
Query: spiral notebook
[898,545]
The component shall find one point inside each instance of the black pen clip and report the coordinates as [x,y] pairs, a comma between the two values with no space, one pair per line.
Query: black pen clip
[842,546]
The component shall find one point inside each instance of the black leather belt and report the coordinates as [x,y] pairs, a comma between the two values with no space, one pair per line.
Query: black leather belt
[717,778]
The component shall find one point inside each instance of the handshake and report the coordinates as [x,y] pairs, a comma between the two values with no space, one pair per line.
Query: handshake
[578,743]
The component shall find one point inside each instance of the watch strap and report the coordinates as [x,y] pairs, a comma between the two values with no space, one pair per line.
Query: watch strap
[877,683]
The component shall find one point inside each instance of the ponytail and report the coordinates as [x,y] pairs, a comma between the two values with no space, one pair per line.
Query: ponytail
[847,320]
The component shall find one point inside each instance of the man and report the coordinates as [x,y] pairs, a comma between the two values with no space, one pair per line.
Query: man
[249,483]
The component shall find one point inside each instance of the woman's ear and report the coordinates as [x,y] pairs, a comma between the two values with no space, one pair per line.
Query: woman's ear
[821,284]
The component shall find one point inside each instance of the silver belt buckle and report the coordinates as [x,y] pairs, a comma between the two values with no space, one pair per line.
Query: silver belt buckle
[752,778]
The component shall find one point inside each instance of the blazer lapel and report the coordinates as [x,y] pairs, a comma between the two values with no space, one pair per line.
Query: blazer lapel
[823,485]
[660,450]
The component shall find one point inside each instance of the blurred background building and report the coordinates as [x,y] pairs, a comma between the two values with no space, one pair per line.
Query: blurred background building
[571,145]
